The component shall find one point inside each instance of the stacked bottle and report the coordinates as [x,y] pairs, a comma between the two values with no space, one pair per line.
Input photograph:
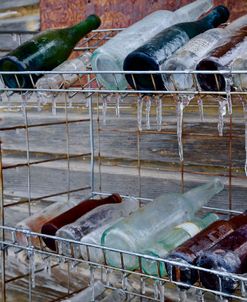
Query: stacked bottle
[111,55]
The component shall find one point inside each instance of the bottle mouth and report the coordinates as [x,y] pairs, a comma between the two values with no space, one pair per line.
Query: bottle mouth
[95,20]
[138,61]
[10,63]
[105,62]
[210,82]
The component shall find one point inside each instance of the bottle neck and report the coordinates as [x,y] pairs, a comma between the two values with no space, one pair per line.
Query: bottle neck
[192,11]
[239,220]
[200,195]
[82,28]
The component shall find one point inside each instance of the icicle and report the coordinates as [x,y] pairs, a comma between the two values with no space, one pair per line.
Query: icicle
[32,266]
[180,111]
[47,265]
[159,113]
[104,109]
[124,281]
[148,109]
[182,295]
[161,291]
[143,286]
[229,83]
[107,276]
[118,101]
[199,296]
[156,290]
[243,286]
[200,107]
[54,106]
[245,122]
[222,113]
[139,112]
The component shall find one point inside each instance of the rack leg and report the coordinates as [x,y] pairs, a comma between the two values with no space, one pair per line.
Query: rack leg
[3,251]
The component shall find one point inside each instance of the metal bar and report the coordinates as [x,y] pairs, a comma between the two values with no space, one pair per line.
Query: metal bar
[44,124]
[46,196]
[3,250]
[44,161]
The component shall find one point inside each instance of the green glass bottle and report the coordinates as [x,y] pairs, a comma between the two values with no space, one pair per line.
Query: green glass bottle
[44,52]
[158,49]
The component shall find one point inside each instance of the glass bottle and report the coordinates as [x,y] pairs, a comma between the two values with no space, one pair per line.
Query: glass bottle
[35,222]
[111,55]
[189,251]
[219,59]
[176,236]
[44,51]
[228,255]
[56,81]
[152,54]
[239,79]
[133,233]
[93,220]
[52,226]
[188,56]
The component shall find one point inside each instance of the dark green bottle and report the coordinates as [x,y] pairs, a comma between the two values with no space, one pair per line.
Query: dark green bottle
[157,50]
[44,51]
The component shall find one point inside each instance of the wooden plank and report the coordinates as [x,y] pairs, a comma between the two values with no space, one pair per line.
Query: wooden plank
[10,4]
[29,23]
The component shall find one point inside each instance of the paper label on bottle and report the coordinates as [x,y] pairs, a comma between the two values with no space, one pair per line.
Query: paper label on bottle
[191,228]
[200,46]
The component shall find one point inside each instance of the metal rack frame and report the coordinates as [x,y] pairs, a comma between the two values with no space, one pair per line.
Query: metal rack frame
[92,96]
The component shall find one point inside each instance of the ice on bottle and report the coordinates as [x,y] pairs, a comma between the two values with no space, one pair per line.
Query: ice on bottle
[93,220]
[163,244]
[35,222]
[111,55]
[55,81]
[133,233]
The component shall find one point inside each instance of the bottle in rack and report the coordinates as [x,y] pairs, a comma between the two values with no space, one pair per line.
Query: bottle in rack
[52,226]
[135,232]
[188,56]
[173,238]
[229,255]
[111,55]
[151,55]
[44,51]
[220,59]
[239,79]
[35,222]
[93,220]
[189,251]
[56,81]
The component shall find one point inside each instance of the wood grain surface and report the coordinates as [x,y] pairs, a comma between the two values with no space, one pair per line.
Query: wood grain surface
[116,13]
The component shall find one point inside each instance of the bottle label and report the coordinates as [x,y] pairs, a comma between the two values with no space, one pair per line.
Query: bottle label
[200,46]
[191,228]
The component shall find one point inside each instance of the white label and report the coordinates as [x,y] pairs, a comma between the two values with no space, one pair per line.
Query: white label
[200,46]
[191,228]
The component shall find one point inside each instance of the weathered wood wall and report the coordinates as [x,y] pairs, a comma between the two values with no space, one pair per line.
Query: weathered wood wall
[116,13]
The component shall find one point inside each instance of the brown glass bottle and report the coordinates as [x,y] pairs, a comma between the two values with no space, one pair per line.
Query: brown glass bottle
[50,227]
[228,255]
[189,251]
[219,59]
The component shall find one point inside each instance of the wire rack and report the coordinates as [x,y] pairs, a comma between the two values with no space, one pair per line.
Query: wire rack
[87,141]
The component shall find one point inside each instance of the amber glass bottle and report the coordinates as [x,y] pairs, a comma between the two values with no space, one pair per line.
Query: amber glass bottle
[51,227]
[229,255]
[189,251]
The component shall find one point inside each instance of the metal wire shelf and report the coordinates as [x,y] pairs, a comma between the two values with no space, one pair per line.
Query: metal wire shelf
[93,102]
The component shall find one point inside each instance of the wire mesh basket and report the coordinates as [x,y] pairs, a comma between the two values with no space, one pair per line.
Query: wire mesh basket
[86,141]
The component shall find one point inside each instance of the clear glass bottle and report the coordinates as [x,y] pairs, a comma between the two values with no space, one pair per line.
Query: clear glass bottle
[239,79]
[93,220]
[133,233]
[171,239]
[56,81]
[111,55]
[159,48]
